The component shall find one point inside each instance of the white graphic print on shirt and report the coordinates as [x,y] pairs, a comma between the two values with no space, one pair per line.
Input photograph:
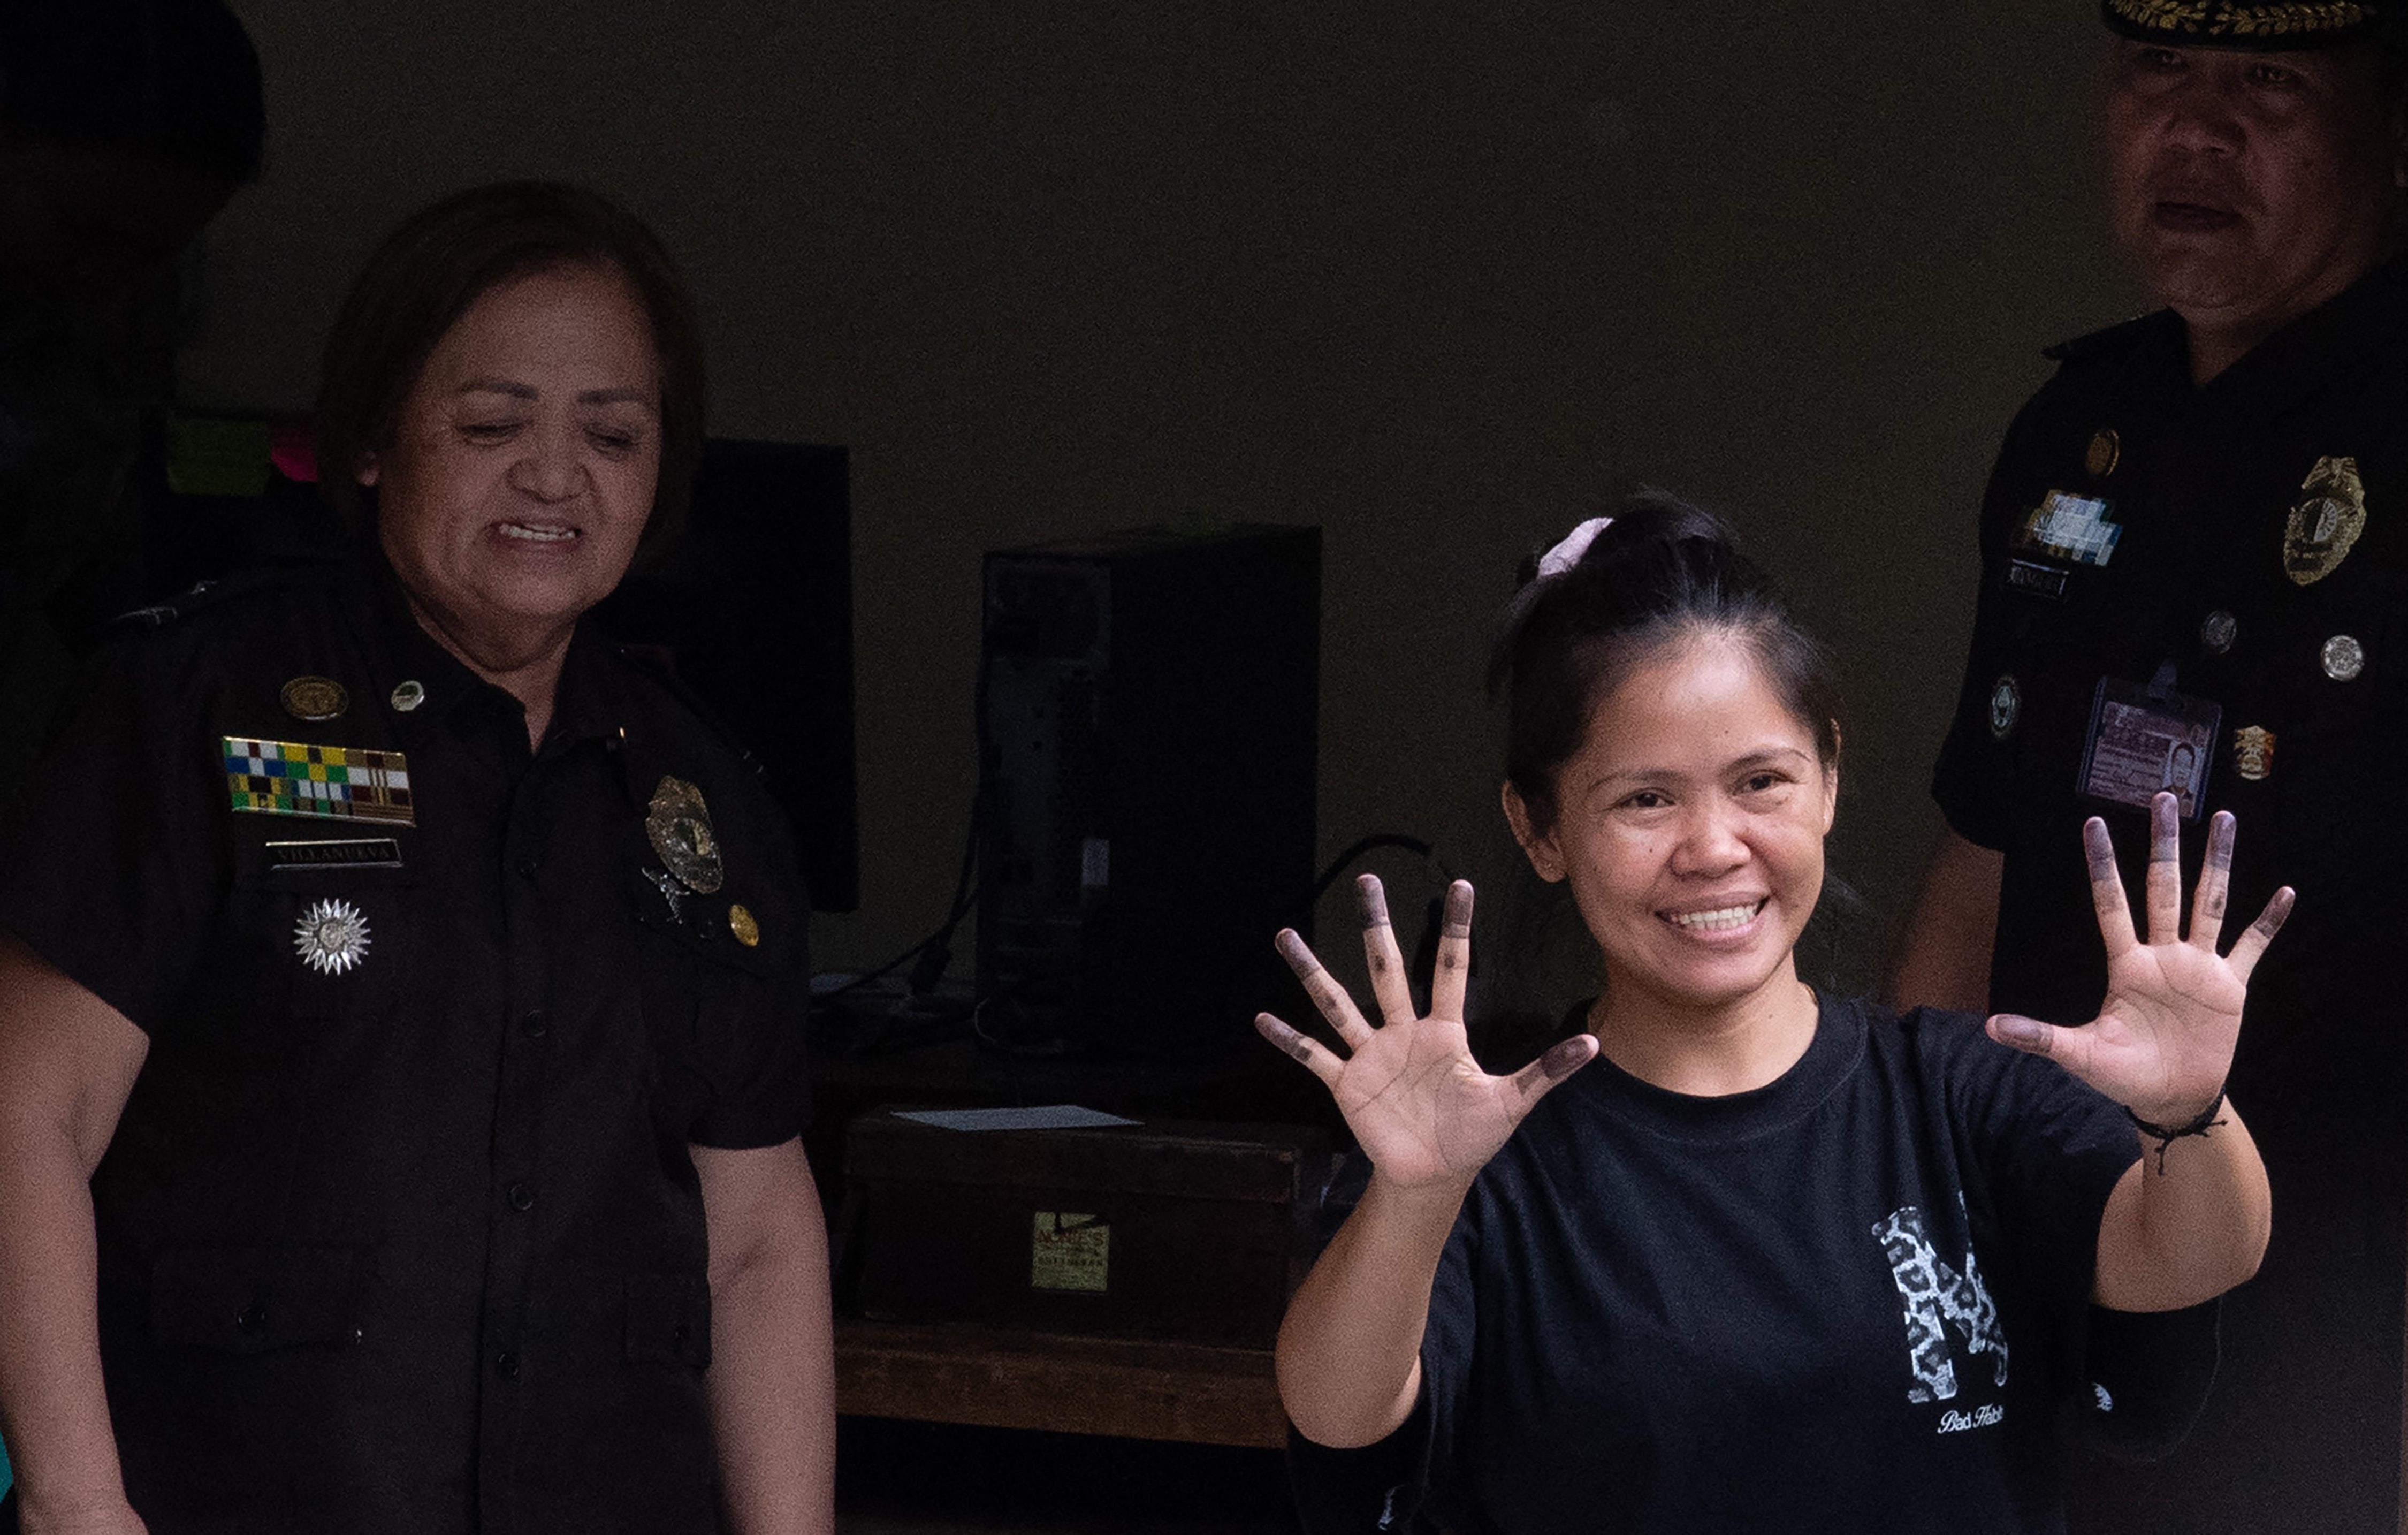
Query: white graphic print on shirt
[1937,1296]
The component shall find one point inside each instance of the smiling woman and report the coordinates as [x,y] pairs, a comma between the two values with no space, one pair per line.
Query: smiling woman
[412,1145]
[1732,1256]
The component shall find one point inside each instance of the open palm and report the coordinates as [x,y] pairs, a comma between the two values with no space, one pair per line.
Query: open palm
[2162,1044]
[1418,1104]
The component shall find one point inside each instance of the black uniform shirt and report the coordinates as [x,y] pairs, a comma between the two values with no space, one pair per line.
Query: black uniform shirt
[2203,484]
[2210,490]
[412,1243]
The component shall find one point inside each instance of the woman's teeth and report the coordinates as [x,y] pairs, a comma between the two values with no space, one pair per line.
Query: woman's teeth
[1718,921]
[538,534]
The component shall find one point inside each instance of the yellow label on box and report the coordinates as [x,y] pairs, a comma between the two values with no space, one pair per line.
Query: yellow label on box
[1070,1253]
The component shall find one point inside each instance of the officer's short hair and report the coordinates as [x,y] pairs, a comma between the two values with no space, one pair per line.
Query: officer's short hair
[172,84]
[426,274]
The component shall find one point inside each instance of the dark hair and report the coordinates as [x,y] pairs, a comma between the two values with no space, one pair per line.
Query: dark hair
[426,274]
[1661,571]
[172,84]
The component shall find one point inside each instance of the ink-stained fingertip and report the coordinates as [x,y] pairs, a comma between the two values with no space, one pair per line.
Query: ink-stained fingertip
[1568,1056]
[2017,1032]
[1297,953]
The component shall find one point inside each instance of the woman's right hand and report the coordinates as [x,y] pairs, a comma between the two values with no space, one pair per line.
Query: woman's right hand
[1418,1104]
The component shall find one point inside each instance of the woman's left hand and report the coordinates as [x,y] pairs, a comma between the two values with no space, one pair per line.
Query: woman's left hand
[2162,1042]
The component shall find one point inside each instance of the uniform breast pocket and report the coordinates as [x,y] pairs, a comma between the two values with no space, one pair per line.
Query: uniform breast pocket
[2335,757]
[713,974]
[301,950]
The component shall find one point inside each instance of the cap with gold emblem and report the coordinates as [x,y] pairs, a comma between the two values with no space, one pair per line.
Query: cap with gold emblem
[2236,23]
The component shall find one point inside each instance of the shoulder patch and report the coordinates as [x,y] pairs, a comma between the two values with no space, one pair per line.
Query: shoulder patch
[205,595]
[657,664]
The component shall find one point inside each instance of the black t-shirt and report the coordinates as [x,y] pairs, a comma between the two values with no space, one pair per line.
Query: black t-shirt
[1849,1300]
[399,1231]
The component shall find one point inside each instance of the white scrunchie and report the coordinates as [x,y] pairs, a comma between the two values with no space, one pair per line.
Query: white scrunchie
[1566,554]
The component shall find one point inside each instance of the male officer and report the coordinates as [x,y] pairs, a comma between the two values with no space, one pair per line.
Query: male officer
[2195,562]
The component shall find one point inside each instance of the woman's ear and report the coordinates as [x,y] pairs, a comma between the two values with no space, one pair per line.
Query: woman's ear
[1831,784]
[1540,848]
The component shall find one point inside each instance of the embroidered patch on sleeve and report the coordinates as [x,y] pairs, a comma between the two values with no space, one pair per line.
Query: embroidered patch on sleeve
[333,783]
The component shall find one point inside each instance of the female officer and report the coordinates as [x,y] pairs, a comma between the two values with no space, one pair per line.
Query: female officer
[1777,1261]
[400,1013]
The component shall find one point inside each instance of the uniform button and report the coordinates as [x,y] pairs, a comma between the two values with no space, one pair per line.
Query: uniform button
[527,868]
[251,1318]
[532,1024]
[506,1365]
[522,1197]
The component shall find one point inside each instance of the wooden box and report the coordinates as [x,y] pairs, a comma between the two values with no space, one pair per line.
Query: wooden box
[1178,1230]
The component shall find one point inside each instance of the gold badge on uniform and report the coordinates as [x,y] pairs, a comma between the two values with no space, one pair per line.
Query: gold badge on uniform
[2326,521]
[2105,450]
[2253,753]
[314,699]
[679,824]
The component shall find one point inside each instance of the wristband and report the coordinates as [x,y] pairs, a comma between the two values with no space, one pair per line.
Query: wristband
[2166,1136]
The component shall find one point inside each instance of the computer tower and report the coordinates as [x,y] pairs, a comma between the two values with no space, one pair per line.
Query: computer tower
[1148,704]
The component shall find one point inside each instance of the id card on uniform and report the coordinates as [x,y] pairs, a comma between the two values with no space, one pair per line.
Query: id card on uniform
[2145,741]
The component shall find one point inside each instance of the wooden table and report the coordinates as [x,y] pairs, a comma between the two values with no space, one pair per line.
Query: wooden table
[992,1378]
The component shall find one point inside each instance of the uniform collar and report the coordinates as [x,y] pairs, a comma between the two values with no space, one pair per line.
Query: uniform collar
[2304,356]
[589,702]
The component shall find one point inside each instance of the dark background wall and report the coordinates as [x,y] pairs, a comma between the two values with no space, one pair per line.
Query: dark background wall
[1442,278]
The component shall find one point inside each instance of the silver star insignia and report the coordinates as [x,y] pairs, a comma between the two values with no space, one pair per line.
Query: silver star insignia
[332,937]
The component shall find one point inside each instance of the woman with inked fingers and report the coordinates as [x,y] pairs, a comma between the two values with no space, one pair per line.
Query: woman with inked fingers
[1773,1260]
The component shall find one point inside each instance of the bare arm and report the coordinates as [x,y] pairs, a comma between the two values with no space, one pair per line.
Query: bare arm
[2174,1237]
[772,1382]
[1430,1118]
[1350,1348]
[67,1061]
[1944,961]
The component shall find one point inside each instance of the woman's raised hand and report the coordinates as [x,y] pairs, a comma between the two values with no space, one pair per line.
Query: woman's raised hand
[2162,1042]
[1419,1105]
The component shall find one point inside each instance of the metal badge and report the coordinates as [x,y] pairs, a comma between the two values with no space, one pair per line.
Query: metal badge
[2006,707]
[2325,523]
[315,699]
[740,922]
[2343,659]
[2217,631]
[332,937]
[679,824]
[2105,451]
[2253,753]
[409,695]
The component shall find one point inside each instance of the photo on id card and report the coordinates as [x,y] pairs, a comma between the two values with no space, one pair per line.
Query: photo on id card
[2145,741]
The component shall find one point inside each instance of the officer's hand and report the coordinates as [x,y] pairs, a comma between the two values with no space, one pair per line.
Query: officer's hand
[2162,1042]
[1419,1105]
